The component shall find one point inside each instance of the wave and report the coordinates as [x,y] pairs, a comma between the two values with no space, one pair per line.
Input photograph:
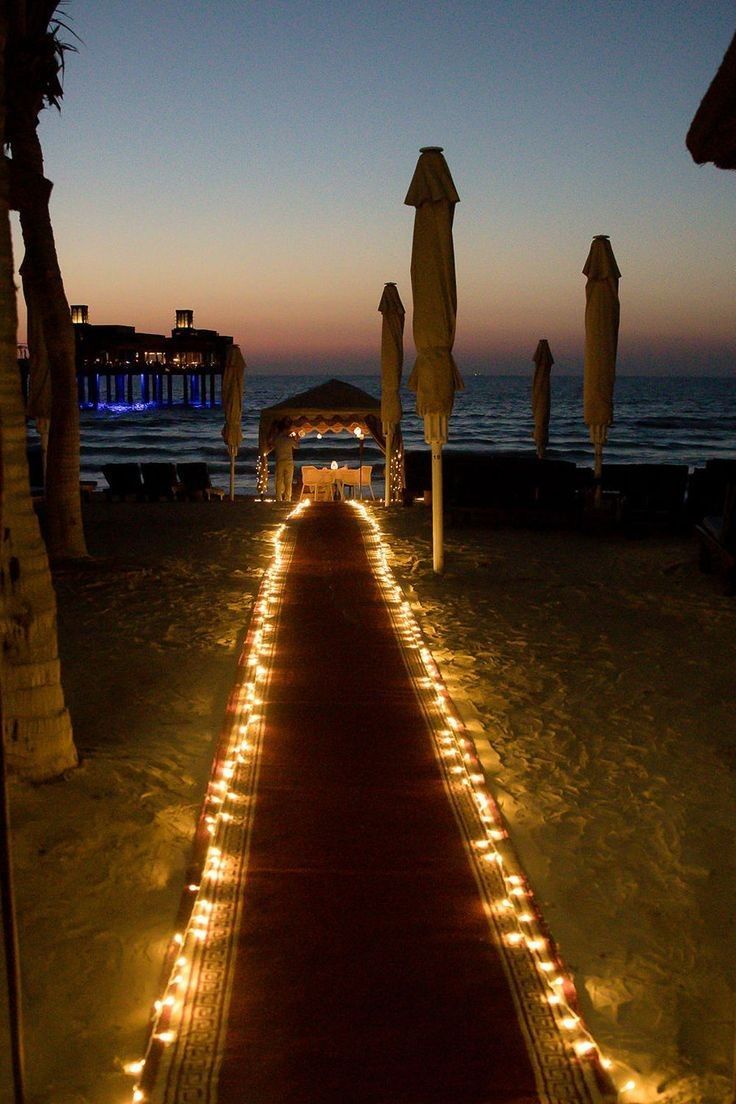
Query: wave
[656,420]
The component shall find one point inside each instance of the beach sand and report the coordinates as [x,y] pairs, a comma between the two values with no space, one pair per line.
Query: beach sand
[596,673]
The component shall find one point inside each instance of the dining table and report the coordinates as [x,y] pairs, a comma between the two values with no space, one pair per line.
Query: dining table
[333,480]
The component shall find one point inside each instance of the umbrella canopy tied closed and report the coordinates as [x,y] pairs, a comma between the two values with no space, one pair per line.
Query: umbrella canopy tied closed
[392,361]
[435,376]
[602,314]
[541,402]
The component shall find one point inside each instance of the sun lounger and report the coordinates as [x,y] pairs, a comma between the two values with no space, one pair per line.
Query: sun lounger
[650,496]
[707,488]
[123,481]
[194,481]
[159,481]
[492,489]
[717,537]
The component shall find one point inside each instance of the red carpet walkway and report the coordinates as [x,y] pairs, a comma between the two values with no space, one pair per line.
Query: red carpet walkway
[364,969]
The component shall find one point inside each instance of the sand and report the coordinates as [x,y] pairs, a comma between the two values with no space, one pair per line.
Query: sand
[597,674]
[601,672]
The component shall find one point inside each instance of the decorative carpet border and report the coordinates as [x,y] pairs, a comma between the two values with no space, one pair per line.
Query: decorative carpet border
[567,1063]
[186,1044]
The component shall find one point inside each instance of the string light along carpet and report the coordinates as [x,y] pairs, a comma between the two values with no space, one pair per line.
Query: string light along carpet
[362,967]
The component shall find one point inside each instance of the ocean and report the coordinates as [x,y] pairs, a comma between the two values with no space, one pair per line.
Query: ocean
[656,419]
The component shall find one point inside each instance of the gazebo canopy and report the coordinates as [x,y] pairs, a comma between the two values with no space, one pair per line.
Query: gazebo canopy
[328,408]
[712,133]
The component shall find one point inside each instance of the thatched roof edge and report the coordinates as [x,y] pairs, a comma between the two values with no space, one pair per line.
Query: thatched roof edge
[712,133]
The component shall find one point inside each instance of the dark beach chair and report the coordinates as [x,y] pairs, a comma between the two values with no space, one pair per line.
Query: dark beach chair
[123,481]
[159,481]
[651,496]
[717,537]
[707,488]
[195,483]
[487,489]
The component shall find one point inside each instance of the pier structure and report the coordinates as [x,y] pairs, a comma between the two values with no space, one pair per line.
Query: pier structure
[119,365]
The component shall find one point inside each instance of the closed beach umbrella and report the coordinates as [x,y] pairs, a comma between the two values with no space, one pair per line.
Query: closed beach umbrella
[543,361]
[435,376]
[392,360]
[232,404]
[602,313]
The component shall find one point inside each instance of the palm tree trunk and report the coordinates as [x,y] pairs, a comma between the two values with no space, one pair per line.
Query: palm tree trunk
[38,402]
[64,529]
[36,726]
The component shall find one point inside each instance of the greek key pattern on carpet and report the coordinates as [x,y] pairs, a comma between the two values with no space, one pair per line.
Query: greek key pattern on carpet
[567,1063]
[189,1072]
[190,1066]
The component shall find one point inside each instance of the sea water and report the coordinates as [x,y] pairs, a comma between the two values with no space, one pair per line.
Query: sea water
[656,419]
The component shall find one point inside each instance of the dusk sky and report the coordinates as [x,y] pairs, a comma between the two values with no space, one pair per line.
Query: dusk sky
[250,161]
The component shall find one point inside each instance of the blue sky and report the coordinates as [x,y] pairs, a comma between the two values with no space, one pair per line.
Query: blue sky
[250,161]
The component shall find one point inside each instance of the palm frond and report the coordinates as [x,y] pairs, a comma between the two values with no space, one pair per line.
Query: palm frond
[36,60]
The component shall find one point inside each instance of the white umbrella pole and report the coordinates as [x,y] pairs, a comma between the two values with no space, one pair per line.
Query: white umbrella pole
[438,533]
[598,437]
[435,434]
[389,443]
[598,472]
[232,478]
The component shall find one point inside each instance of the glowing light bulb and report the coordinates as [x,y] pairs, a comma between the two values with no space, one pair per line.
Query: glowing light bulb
[165,1037]
[134,1068]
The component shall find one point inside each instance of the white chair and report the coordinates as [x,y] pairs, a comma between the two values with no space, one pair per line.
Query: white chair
[323,484]
[365,479]
[350,478]
[340,476]
[310,478]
